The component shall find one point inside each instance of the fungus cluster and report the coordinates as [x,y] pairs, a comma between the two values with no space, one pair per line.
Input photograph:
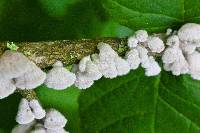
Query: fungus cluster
[53,122]
[181,56]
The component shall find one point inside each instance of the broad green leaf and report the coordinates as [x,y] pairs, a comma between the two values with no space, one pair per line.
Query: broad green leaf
[139,104]
[153,15]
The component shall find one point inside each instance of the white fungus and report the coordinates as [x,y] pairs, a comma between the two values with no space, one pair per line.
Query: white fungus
[187,48]
[141,35]
[31,79]
[173,41]
[143,53]
[83,62]
[168,31]
[54,120]
[92,71]
[122,66]
[152,68]
[194,65]
[132,42]
[24,115]
[23,128]
[61,130]
[190,32]
[59,78]
[37,109]
[170,55]
[7,87]
[155,44]
[82,81]
[132,57]
[13,64]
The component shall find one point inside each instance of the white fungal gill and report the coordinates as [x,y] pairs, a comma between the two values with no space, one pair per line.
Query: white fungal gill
[31,79]
[59,78]
[7,87]
[54,120]
[24,115]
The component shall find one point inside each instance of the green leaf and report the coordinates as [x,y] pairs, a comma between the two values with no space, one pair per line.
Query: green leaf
[139,104]
[153,15]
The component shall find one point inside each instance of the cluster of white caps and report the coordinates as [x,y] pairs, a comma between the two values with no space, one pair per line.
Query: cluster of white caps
[33,119]
[180,57]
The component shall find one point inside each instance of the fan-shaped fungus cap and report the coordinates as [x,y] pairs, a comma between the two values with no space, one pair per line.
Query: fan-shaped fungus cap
[189,32]
[31,79]
[37,109]
[82,81]
[54,120]
[141,35]
[13,64]
[59,78]
[24,115]
[7,87]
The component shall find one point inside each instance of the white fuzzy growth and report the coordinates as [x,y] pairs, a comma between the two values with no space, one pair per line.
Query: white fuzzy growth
[141,35]
[132,42]
[24,115]
[107,68]
[194,65]
[92,71]
[82,81]
[83,63]
[180,66]
[155,44]
[106,52]
[31,79]
[170,55]
[173,41]
[122,66]
[25,128]
[59,78]
[54,120]
[189,32]
[13,64]
[37,109]
[7,87]
[188,48]
[152,68]
[143,53]
[132,57]
[61,130]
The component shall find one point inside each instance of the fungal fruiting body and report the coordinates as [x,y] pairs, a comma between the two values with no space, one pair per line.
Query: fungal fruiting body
[59,78]
[54,122]
[7,87]
[29,110]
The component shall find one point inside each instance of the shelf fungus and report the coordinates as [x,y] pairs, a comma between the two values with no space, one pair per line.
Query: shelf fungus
[59,78]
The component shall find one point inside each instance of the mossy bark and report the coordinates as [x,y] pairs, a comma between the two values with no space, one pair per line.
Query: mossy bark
[44,54]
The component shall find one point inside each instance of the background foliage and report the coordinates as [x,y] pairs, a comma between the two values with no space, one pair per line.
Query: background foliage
[128,104]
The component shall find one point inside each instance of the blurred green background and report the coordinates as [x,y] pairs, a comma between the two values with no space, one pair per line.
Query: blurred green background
[34,20]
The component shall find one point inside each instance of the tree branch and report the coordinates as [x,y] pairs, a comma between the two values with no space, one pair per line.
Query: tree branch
[44,54]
